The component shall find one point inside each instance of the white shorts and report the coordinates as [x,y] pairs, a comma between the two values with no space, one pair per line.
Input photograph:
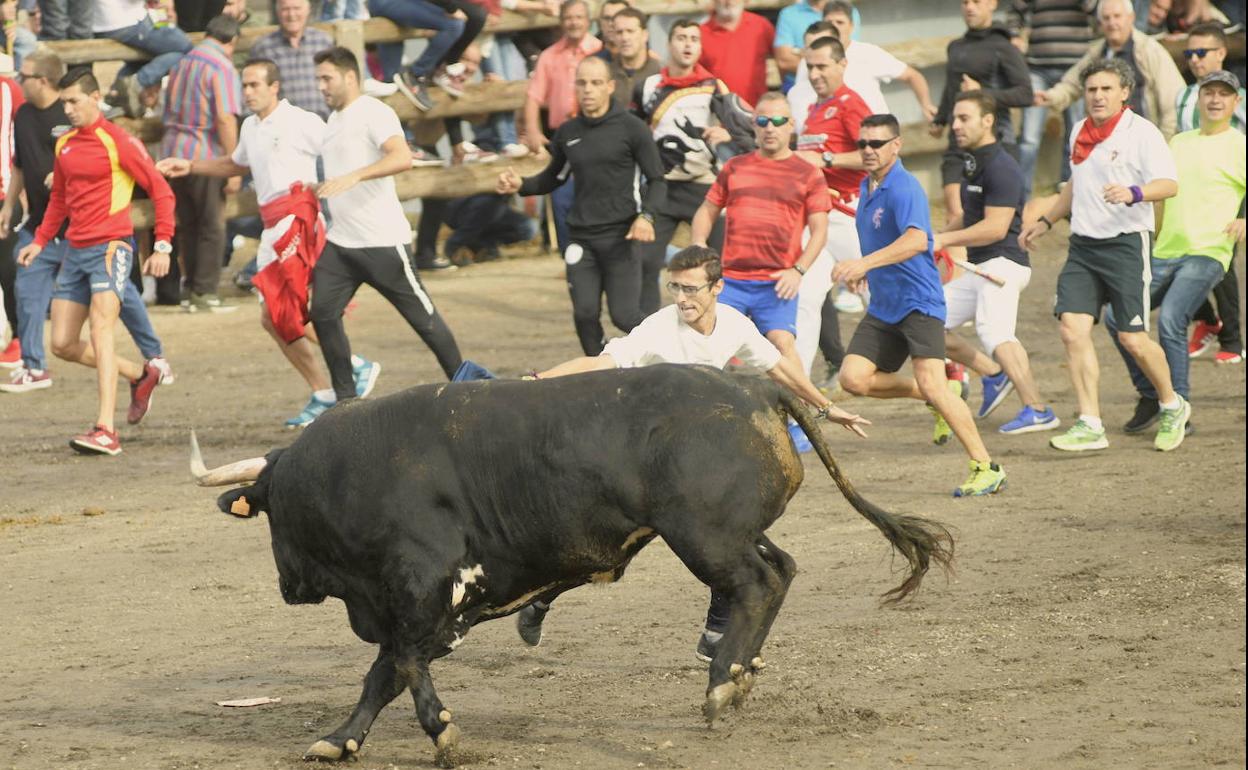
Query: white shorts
[994,309]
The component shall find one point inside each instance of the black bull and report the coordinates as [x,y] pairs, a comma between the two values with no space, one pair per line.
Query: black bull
[437,508]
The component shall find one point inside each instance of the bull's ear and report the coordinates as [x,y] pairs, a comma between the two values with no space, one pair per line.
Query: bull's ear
[235,503]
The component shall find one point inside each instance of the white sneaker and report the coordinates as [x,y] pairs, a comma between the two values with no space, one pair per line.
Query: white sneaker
[474,154]
[166,371]
[451,80]
[24,380]
[379,90]
[515,150]
[848,302]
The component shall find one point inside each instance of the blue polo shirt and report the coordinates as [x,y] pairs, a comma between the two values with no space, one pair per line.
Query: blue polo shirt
[791,27]
[897,205]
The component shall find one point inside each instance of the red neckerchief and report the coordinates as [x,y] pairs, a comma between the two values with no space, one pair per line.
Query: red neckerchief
[1091,135]
[698,75]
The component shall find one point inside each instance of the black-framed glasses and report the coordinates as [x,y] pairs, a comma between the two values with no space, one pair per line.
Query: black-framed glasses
[1199,53]
[776,120]
[874,144]
[22,77]
[676,289]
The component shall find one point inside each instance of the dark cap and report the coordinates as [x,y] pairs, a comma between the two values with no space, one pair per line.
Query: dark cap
[1221,76]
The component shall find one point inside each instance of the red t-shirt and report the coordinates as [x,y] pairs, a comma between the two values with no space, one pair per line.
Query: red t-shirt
[833,126]
[739,56]
[767,203]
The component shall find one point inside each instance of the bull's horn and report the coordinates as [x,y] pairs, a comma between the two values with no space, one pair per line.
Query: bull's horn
[243,470]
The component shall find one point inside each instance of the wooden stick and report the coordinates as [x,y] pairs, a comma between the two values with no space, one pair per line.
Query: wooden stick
[968,267]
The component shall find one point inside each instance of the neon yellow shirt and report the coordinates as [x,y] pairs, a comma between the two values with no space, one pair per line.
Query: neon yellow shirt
[1211,186]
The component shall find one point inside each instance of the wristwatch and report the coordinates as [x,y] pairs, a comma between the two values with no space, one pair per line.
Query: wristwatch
[162,247]
[829,159]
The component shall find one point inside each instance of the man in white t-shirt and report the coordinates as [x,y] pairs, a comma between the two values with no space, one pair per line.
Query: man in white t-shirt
[1120,164]
[695,329]
[369,237]
[278,145]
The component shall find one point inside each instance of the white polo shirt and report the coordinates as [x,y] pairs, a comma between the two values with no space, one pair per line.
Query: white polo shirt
[368,215]
[281,149]
[664,338]
[1134,154]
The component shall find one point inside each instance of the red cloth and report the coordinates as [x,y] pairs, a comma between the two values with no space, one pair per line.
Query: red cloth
[94,172]
[739,56]
[1091,135]
[698,75]
[832,125]
[284,282]
[767,203]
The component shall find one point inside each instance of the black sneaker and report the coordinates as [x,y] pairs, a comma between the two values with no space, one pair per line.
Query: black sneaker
[1147,412]
[529,623]
[708,645]
[415,88]
[435,264]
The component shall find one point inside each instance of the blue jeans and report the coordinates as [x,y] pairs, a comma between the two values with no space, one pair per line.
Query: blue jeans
[421,14]
[1178,287]
[34,297]
[166,44]
[1034,118]
[485,220]
[66,19]
[24,44]
[506,60]
[333,10]
[561,199]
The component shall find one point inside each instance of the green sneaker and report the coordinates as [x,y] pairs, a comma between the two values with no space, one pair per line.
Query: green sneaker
[985,479]
[1171,432]
[941,433]
[1080,438]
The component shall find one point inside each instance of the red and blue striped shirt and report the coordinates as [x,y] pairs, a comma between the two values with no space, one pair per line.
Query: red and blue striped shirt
[203,86]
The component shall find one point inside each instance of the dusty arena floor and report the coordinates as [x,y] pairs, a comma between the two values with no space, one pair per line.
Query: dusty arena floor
[1096,619]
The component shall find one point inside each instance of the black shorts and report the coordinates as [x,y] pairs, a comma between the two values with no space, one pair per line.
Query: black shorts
[886,345]
[1116,270]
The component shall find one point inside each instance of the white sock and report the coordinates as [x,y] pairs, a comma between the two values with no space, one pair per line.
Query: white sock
[1173,405]
[325,395]
[1092,422]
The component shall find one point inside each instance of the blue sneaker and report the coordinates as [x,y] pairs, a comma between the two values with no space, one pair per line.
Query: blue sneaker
[314,409]
[366,373]
[996,388]
[800,441]
[1031,421]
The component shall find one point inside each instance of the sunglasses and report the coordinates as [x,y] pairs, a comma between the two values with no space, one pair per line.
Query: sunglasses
[1199,53]
[874,144]
[776,120]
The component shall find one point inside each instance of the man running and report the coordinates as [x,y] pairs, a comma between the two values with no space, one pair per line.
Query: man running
[604,148]
[992,210]
[96,167]
[278,146]
[369,237]
[695,329]
[1119,161]
[905,317]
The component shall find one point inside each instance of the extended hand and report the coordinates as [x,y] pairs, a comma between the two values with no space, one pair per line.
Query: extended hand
[852,422]
[849,272]
[788,281]
[508,182]
[1116,193]
[173,167]
[1031,233]
[1236,230]
[642,230]
[337,185]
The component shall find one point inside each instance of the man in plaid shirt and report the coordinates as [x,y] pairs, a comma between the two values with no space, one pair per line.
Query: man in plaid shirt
[291,48]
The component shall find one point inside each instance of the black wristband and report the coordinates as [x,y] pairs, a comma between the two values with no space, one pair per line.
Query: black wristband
[799,270]
[1046,221]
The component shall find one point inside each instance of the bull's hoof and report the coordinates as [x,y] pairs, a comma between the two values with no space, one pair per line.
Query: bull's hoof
[445,746]
[717,700]
[324,751]
[758,664]
[744,680]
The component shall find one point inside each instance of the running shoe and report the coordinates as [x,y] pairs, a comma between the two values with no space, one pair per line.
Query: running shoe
[996,388]
[515,150]
[1173,426]
[474,154]
[315,408]
[415,88]
[800,441]
[529,623]
[985,479]
[848,302]
[1029,420]
[98,440]
[366,373]
[708,645]
[379,89]
[208,303]
[1147,410]
[11,357]
[1229,357]
[166,371]
[1203,337]
[451,80]
[141,392]
[1081,437]
[24,380]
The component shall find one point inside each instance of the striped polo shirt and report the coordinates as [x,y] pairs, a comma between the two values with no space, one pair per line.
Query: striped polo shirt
[203,86]
[1061,30]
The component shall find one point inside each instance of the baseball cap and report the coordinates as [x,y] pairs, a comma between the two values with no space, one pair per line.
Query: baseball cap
[1221,76]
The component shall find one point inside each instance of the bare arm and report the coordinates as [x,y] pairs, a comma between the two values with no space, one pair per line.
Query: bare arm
[579,365]
[703,222]
[791,377]
[787,58]
[224,166]
[397,158]
[922,94]
[16,184]
[533,136]
[993,227]
[1059,210]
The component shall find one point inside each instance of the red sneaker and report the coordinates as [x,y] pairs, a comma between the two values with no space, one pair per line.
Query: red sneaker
[1229,357]
[11,358]
[1203,337]
[141,393]
[98,440]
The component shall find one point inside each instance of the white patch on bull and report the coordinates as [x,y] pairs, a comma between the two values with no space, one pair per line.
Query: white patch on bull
[520,602]
[638,534]
[467,576]
[458,640]
[438,392]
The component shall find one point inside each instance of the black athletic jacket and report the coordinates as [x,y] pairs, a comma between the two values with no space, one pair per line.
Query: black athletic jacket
[608,156]
[988,56]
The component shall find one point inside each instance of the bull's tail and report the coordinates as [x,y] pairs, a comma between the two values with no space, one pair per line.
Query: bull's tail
[921,541]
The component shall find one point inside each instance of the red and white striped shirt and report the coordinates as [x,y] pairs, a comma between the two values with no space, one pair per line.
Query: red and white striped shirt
[10,99]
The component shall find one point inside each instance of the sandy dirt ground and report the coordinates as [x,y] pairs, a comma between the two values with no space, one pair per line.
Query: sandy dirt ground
[1096,618]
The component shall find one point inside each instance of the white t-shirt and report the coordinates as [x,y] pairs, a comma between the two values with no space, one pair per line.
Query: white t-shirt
[117,14]
[1134,154]
[281,149]
[868,66]
[368,215]
[664,338]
